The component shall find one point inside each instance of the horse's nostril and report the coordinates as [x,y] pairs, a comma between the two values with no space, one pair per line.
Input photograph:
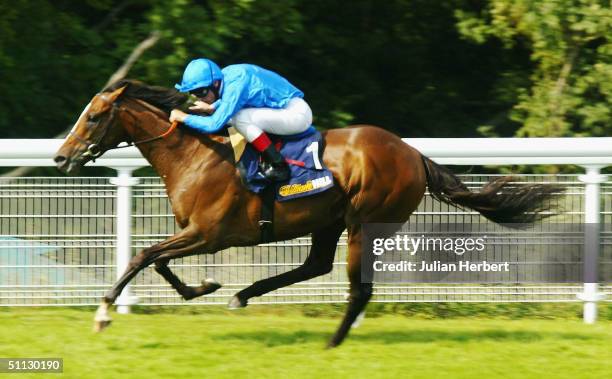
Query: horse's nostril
[59,159]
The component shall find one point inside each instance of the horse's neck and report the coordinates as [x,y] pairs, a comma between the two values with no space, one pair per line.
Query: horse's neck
[171,156]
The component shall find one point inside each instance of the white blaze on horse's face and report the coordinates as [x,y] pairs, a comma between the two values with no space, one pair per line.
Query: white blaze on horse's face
[76,124]
[82,143]
[99,104]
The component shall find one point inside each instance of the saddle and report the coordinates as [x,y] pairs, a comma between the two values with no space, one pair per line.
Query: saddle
[303,153]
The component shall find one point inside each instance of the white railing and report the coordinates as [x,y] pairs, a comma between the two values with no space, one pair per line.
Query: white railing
[591,153]
[449,151]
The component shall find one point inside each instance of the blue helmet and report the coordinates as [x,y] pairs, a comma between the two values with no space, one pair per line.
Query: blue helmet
[198,74]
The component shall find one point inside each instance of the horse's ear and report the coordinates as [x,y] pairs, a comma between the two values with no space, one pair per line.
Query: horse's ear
[116,93]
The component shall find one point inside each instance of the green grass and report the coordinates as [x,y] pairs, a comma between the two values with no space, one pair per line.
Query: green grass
[263,342]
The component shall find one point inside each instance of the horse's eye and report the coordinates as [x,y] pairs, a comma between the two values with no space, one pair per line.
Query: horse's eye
[92,117]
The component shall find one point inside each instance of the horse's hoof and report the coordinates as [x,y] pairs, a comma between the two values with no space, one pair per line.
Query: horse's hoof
[236,303]
[101,325]
[188,293]
[210,285]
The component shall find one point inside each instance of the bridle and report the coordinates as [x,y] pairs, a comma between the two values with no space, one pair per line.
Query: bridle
[95,151]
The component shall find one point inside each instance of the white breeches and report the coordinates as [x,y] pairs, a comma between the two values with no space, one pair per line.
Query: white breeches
[295,118]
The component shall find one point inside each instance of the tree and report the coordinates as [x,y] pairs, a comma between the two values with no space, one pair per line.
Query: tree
[538,68]
[570,44]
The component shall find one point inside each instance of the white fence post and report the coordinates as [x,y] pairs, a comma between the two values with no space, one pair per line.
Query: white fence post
[592,241]
[124,182]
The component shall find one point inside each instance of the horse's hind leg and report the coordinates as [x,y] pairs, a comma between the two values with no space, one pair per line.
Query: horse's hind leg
[187,292]
[319,262]
[360,293]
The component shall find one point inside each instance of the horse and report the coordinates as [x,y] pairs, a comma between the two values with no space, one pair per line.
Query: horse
[377,178]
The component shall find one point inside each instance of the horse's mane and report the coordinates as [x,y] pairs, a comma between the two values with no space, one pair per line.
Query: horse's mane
[163,98]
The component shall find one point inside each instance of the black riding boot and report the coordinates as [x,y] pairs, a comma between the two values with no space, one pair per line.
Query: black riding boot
[274,166]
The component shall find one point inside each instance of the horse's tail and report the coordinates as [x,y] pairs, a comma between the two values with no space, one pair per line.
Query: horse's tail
[498,200]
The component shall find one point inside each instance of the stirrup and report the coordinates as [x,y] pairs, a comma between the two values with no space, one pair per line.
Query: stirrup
[276,173]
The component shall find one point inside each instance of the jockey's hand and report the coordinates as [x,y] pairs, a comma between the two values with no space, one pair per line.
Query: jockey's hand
[177,115]
[202,107]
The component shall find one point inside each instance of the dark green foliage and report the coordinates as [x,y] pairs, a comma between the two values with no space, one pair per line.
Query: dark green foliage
[419,68]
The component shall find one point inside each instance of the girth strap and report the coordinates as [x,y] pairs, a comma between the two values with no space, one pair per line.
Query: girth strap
[266,222]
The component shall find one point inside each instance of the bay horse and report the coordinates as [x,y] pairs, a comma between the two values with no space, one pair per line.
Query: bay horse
[378,178]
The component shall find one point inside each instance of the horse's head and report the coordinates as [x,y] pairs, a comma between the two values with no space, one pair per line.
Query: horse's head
[95,132]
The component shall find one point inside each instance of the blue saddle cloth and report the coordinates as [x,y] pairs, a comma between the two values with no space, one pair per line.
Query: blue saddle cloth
[303,152]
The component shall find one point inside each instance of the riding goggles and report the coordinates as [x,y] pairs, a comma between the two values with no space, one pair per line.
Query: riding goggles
[200,92]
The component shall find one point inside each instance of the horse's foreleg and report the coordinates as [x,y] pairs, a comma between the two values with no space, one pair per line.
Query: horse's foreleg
[360,293]
[319,262]
[187,292]
[184,242]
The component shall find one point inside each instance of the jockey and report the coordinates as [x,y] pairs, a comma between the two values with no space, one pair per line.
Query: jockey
[250,98]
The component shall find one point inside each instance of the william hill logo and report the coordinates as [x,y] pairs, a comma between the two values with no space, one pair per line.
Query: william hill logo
[311,185]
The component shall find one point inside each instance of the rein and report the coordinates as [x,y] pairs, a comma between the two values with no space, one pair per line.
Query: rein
[93,149]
